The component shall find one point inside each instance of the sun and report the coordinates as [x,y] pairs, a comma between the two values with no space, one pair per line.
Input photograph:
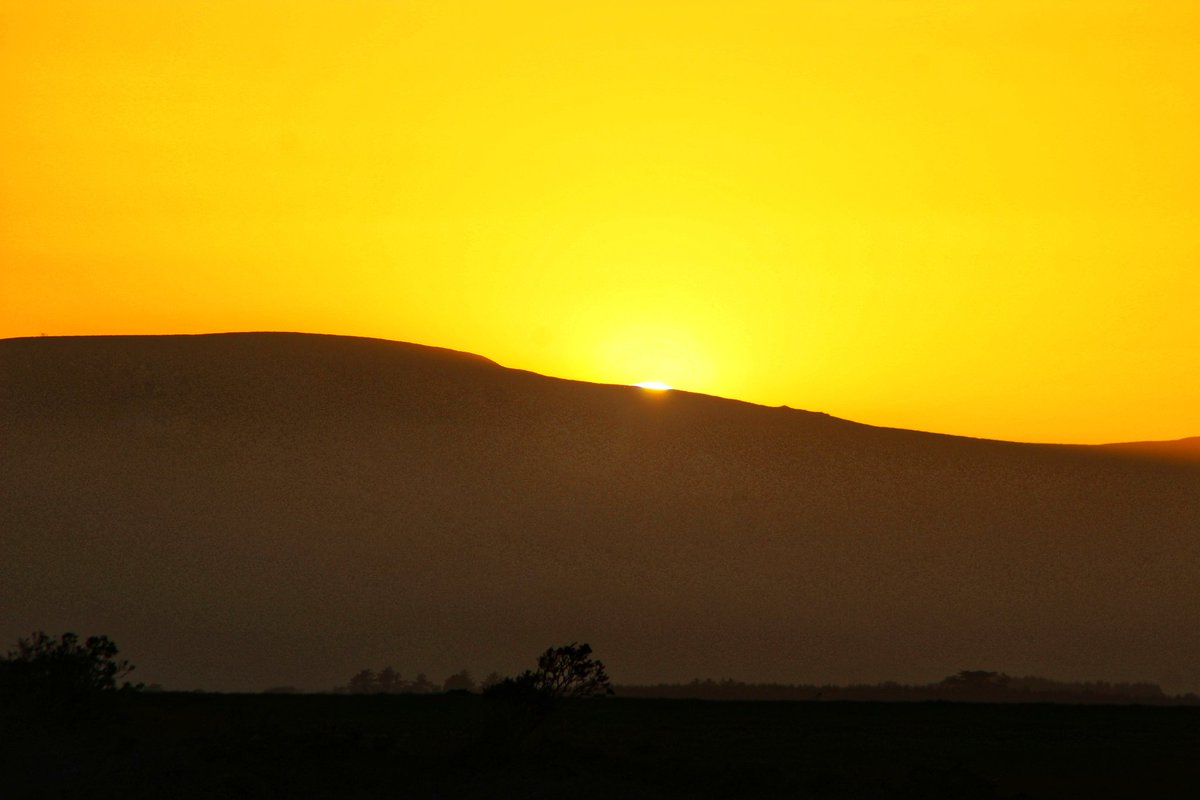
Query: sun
[655,386]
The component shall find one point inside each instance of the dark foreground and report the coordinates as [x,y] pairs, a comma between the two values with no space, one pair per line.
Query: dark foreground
[450,746]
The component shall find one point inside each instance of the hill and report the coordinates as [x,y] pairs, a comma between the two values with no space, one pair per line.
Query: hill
[247,510]
[1178,449]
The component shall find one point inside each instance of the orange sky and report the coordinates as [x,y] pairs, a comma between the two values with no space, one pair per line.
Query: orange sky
[979,218]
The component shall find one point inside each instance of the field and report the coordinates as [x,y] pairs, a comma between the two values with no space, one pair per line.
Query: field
[460,745]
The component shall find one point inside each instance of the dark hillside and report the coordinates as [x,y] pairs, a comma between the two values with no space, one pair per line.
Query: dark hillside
[249,510]
[1177,450]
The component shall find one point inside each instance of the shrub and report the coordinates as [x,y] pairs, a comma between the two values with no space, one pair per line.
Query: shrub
[49,667]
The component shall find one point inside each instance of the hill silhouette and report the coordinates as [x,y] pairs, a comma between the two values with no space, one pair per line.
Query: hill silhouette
[251,510]
[1178,449]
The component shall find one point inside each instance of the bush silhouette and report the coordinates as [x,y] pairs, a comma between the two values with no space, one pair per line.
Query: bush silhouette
[523,688]
[48,667]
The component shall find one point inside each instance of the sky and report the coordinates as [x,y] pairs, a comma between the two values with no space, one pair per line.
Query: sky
[976,218]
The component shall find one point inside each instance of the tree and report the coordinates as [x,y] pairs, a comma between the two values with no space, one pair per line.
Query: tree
[570,672]
[363,682]
[562,673]
[45,665]
[422,685]
[459,681]
[388,680]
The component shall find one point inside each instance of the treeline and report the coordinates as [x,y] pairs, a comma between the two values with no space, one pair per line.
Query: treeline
[562,673]
[976,686]
[389,681]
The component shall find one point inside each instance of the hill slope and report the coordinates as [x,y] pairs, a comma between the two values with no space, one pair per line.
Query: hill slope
[1177,450]
[245,510]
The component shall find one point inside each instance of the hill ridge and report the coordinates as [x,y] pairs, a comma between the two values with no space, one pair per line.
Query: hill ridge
[1191,442]
[243,511]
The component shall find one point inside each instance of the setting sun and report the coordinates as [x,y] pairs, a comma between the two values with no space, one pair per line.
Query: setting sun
[657,386]
[974,218]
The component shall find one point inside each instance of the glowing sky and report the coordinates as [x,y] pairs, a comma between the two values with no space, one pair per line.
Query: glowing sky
[972,217]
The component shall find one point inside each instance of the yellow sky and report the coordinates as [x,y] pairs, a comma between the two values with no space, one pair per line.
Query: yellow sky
[971,217]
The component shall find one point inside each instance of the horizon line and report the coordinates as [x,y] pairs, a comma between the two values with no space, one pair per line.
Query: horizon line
[672,389]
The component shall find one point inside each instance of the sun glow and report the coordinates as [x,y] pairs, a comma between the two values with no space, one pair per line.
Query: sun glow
[655,386]
[974,218]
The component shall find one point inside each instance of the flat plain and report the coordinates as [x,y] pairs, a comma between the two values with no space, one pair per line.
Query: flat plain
[187,745]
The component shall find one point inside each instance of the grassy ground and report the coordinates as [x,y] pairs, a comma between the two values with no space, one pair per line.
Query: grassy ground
[451,746]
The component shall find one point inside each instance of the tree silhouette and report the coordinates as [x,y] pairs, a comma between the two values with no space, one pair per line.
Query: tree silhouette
[422,685]
[45,665]
[388,680]
[459,681]
[363,682]
[570,672]
[562,673]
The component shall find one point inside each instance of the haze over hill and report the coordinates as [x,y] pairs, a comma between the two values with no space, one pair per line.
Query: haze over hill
[245,510]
